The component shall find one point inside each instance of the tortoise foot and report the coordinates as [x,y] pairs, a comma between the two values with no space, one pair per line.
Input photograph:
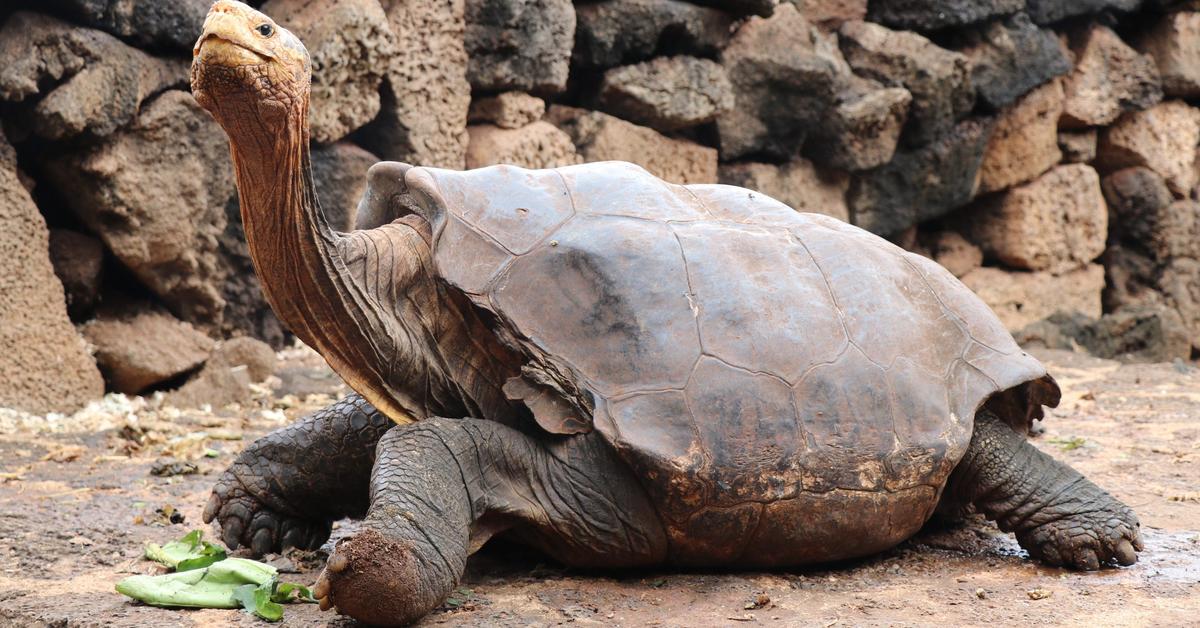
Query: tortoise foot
[375,578]
[1087,540]
[247,520]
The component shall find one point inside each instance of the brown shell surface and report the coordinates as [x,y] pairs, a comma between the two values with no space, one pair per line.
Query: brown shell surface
[736,351]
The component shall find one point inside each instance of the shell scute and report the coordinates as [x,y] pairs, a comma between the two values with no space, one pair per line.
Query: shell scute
[587,296]
[748,317]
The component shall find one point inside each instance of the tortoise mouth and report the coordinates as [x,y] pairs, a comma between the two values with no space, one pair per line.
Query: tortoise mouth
[215,50]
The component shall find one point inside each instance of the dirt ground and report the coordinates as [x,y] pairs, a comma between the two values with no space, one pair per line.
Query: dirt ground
[78,500]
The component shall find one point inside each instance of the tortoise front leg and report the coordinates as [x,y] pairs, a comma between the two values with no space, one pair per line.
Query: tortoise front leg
[442,487]
[288,487]
[1059,516]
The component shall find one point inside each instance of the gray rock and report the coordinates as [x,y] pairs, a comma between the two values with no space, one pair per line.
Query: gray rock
[761,8]
[927,15]
[618,32]
[921,183]
[668,93]
[519,44]
[1012,56]
[94,82]
[862,128]
[1047,11]
[1141,333]
[174,24]
[784,73]
[1135,197]
[939,80]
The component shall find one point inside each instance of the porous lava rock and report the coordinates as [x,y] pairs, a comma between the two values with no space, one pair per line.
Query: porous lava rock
[761,8]
[227,376]
[78,261]
[954,252]
[171,24]
[831,13]
[536,145]
[1056,223]
[1047,11]
[1078,147]
[1020,298]
[156,194]
[1024,143]
[862,128]
[423,110]
[340,174]
[939,79]
[921,183]
[1162,138]
[618,32]
[1109,78]
[1174,43]
[519,44]
[45,364]
[1012,56]
[509,110]
[925,15]
[350,45]
[783,72]
[667,93]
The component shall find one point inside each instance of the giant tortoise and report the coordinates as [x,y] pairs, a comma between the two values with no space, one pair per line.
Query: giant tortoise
[619,371]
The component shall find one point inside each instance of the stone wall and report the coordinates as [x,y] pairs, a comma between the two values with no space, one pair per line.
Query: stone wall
[1043,150]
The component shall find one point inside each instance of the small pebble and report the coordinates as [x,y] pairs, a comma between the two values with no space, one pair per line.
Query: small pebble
[1038,594]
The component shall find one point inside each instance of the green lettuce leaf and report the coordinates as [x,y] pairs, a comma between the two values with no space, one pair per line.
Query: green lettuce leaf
[207,587]
[188,553]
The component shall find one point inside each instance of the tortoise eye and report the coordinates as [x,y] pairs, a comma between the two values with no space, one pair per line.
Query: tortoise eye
[266,30]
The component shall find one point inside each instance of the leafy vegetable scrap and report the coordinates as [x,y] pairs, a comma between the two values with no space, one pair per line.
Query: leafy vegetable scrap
[206,578]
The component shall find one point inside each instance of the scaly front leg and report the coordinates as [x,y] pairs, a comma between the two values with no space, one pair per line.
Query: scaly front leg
[288,487]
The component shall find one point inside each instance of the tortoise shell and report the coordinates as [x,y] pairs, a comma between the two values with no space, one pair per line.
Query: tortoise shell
[737,353]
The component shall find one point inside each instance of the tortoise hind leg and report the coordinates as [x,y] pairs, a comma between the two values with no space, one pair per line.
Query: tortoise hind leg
[1059,516]
[441,487]
[287,488]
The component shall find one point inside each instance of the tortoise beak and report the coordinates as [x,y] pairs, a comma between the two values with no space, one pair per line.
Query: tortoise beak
[228,38]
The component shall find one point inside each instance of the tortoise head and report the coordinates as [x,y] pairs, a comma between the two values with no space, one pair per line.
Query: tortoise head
[250,73]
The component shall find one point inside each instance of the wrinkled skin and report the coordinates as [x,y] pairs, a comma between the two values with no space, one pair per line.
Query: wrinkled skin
[433,491]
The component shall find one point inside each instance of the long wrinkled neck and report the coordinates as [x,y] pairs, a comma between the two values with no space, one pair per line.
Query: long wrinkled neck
[291,244]
[296,255]
[380,322]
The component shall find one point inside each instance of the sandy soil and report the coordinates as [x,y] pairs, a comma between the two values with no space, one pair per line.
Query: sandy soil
[78,500]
